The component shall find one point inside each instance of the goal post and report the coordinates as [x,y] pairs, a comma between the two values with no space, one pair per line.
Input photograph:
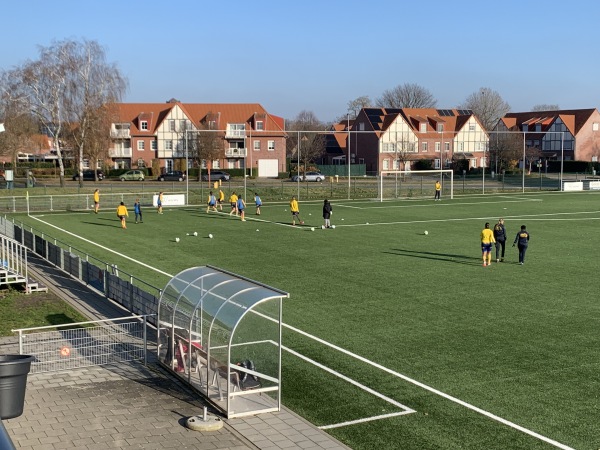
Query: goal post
[392,182]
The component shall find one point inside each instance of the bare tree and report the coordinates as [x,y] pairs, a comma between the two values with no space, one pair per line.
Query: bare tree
[506,149]
[208,146]
[308,143]
[407,95]
[545,107]
[62,89]
[487,105]
[91,84]
[354,106]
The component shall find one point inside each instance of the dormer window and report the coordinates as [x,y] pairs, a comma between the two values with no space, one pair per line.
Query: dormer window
[440,127]
[144,125]
[423,127]
[260,125]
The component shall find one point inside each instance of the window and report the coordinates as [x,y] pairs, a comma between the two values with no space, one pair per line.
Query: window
[260,125]
[216,164]
[396,164]
[271,146]
[171,125]
[423,128]
[256,146]
[144,125]
[438,147]
[440,127]
[424,147]
[595,126]
[386,164]
[153,145]
[447,146]
[361,127]
[436,163]
[461,146]
[168,144]
[140,145]
[471,127]
[236,129]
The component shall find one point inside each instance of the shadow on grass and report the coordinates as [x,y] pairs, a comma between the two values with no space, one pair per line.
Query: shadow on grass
[459,259]
[62,321]
[104,224]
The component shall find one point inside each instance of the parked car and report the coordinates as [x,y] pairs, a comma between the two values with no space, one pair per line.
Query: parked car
[88,175]
[216,175]
[310,176]
[175,175]
[132,175]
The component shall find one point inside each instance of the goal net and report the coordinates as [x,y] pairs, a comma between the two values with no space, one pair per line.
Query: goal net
[414,183]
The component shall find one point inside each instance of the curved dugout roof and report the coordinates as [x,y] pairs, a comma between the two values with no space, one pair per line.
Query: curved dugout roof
[224,296]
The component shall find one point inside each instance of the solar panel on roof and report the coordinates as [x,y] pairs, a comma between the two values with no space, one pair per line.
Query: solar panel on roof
[465,112]
[445,112]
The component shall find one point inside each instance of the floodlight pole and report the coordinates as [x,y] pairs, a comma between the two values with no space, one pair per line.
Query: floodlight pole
[483,176]
[187,174]
[562,157]
[524,146]
[349,149]
[298,179]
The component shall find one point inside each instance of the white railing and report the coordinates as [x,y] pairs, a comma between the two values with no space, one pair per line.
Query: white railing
[119,152]
[13,257]
[120,134]
[236,152]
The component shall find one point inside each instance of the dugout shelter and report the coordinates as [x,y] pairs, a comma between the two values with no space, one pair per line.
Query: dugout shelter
[221,334]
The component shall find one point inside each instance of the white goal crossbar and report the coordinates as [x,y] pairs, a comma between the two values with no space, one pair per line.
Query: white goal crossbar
[384,174]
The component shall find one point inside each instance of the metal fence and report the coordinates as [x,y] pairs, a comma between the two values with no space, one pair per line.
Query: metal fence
[129,291]
[84,344]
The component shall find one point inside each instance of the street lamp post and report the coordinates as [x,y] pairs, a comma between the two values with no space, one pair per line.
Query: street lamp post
[349,181]
[524,144]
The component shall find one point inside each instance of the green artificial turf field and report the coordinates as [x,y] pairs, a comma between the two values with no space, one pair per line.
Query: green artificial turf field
[406,329]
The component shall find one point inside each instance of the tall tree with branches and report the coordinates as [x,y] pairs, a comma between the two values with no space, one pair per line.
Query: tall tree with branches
[62,89]
[487,105]
[407,95]
[92,84]
[308,141]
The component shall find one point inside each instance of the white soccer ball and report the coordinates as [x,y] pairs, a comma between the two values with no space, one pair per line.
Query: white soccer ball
[426,232]
[176,239]
[312,229]
[195,233]
[257,229]
[322,227]
[332,226]
[210,236]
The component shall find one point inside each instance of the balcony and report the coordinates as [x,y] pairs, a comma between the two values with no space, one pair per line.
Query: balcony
[235,153]
[235,134]
[119,152]
[120,134]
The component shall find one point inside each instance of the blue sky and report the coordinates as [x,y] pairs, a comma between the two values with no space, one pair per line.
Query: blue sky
[318,55]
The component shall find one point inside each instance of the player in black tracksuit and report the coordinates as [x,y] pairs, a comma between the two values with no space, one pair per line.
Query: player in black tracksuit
[500,236]
[522,238]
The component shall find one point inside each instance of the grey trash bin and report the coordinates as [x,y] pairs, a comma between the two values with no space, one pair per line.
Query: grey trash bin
[13,381]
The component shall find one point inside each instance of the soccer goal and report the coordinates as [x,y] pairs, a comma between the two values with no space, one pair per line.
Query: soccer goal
[417,183]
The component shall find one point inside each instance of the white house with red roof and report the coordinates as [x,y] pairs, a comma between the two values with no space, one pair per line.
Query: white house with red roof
[394,139]
[147,132]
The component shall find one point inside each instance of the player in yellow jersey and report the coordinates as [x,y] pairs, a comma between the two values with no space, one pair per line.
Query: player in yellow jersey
[122,214]
[487,239]
[221,199]
[295,209]
[233,198]
[96,200]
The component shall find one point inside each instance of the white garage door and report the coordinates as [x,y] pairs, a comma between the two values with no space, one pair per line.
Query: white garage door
[268,168]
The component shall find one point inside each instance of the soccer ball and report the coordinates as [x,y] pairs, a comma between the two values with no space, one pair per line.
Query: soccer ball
[312,229]
[257,229]
[210,236]
[195,233]
[322,227]
[426,233]
[176,239]
[333,226]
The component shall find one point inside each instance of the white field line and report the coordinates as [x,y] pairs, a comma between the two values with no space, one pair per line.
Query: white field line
[360,358]
[431,205]
[406,409]
[433,390]
[527,216]
[103,247]
[365,419]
